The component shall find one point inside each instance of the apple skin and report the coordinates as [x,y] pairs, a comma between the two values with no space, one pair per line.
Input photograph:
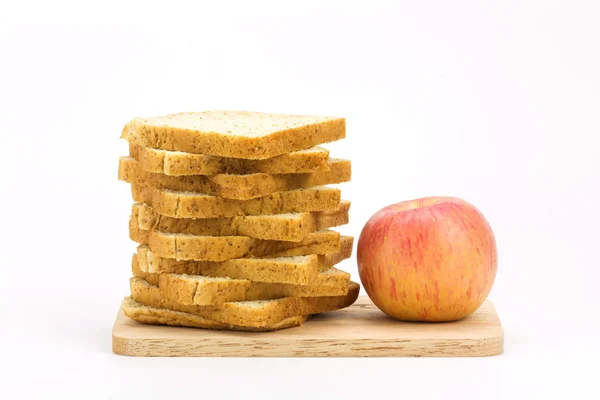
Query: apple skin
[429,259]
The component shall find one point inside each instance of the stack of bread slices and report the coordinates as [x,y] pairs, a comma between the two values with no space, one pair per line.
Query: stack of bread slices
[232,218]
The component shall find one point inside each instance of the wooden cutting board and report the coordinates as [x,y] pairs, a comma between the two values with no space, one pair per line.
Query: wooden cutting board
[358,331]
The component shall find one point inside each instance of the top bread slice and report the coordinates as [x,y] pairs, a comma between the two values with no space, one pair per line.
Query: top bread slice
[237,134]
[233,186]
[178,163]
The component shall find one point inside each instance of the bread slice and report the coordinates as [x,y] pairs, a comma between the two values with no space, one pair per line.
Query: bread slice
[160,316]
[288,227]
[230,186]
[298,270]
[258,313]
[327,261]
[182,246]
[204,291]
[198,205]
[177,163]
[207,290]
[237,134]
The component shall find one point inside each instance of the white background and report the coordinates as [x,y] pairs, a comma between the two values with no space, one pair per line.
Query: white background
[493,102]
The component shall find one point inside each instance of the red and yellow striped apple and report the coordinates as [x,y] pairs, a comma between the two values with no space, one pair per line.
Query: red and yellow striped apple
[429,259]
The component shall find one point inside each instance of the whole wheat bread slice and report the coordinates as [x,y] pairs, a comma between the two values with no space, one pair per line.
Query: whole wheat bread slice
[298,270]
[202,290]
[258,313]
[198,205]
[161,316]
[231,186]
[237,134]
[206,290]
[291,227]
[177,163]
[182,246]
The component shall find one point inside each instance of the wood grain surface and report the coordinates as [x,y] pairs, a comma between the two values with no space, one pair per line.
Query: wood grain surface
[358,331]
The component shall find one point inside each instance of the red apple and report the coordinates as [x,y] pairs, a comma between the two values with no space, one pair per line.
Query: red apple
[429,259]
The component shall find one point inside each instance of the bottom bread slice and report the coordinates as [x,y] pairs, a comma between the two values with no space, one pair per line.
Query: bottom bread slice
[258,313]
[161,316]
